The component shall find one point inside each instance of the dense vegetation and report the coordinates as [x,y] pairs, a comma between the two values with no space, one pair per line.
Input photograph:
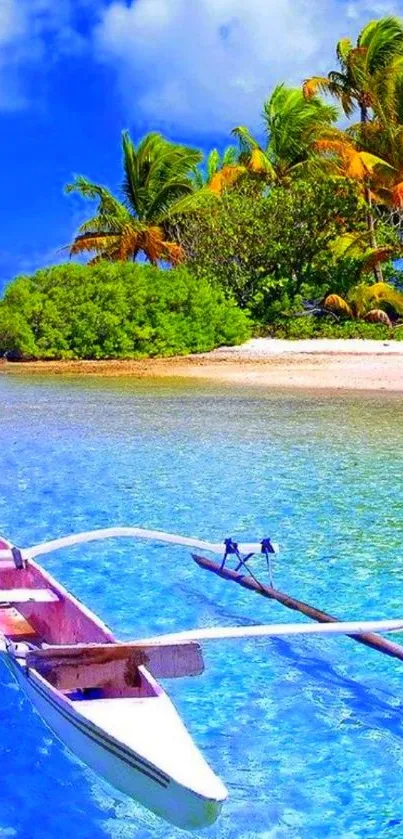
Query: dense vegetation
[272,249]
[294,233]
[116,311]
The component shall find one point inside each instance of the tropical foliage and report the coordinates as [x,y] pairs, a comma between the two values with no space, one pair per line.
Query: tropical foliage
[268,249]
[220,171]
[298,327]
[369,78]
[378,303]
[285,231]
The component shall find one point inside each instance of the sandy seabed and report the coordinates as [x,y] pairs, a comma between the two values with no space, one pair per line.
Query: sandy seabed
[307,364]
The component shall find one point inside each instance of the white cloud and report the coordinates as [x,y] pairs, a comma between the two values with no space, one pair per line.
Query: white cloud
[206,65]
[11,22]
[34,33]
[181,65]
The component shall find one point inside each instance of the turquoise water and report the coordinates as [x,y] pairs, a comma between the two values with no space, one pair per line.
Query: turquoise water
[307,734]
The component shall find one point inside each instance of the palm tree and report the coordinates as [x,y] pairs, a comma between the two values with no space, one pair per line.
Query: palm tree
[383,136]
[158,174]
[365,68]
[366,79]
[218,172]
[372,152]
[215,162]
[292,123]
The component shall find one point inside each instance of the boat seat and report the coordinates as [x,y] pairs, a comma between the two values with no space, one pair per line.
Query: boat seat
[14,626]
[27,595]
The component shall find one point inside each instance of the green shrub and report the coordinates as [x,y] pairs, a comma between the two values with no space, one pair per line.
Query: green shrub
[16,336]
[116,310]
[314,327]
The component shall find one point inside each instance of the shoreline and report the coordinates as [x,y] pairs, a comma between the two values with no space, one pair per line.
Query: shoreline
[302,365]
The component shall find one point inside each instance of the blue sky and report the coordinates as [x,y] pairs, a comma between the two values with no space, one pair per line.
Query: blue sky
[74,73]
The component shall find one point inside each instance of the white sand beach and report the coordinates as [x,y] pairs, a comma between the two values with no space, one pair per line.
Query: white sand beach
[266,362]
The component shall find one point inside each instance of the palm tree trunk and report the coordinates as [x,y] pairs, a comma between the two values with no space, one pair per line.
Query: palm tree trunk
[370,216]
[378,274]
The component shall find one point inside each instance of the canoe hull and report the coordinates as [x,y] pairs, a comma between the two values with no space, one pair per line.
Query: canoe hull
[119,765]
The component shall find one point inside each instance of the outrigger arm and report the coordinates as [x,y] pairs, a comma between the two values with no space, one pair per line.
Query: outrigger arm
[273,630]
[188,638]
[133,533]
[222,548]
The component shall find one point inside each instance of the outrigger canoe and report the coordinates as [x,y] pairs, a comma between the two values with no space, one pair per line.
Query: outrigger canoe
[100,696]
[103,703]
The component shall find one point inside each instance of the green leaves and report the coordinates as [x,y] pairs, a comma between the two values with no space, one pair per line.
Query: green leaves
[157,176]
[363,67]
[116,310]
[292,123]
[263,248]
[382,40]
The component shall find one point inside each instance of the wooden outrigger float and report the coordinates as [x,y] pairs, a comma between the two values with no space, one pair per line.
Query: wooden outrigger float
[369,639]
[101,697]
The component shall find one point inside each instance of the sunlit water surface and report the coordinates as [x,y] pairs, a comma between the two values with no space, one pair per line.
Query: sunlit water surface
[306,733]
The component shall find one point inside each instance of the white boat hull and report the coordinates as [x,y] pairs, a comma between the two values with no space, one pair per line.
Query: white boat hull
[186,793]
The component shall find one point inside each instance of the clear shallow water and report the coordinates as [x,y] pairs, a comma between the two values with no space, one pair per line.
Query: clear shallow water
[307,734]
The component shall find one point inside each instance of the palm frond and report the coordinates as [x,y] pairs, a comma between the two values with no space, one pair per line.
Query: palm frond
[383,40]
[336,304]
[374,256]
[97,242]
[107,222]
[378,316]
[259,163]
[198,179]
[358,165]
[88,189]
[246,140]
[213,163]
[343,49]
[225,178]
[229,156]
[164,200]
[314,85]
[380,294]
[131,177]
